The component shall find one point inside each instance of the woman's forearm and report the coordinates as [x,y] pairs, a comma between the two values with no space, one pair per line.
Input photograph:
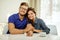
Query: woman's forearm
[37,30]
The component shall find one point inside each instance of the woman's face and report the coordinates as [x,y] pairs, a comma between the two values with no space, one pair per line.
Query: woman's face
[31,15]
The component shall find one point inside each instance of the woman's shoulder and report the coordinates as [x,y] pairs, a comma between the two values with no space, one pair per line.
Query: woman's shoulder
[39,19]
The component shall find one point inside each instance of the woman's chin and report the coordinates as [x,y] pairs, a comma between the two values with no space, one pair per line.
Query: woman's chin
[31,19]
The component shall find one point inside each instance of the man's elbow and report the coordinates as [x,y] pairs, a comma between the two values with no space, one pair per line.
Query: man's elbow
[12,32]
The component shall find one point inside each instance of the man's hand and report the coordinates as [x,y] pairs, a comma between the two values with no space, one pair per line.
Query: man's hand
[28,28]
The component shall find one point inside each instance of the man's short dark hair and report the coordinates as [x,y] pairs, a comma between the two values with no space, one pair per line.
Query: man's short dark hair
[24,3]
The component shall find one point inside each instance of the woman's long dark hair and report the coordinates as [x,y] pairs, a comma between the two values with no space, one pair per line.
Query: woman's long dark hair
[30,9]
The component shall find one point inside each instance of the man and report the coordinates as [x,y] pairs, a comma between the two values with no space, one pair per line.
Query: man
[17,22]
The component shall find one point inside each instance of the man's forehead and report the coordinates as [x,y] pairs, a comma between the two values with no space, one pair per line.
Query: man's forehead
[24,6]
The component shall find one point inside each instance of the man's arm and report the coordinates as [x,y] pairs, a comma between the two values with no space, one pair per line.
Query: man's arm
[13,30]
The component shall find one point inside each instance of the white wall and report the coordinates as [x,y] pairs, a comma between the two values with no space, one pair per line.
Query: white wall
[45,11]
[56,14]
[8,7]
[54,18]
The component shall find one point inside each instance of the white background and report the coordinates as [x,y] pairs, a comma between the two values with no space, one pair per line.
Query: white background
[9,7]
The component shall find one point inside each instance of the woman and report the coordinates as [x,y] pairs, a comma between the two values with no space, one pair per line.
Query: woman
[38,24]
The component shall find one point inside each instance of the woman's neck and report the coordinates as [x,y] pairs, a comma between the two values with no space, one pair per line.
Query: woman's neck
[34,20]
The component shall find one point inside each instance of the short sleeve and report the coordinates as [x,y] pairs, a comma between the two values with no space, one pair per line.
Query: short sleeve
[11,19]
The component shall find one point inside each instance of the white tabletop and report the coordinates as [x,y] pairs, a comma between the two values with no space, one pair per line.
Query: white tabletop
[24,37]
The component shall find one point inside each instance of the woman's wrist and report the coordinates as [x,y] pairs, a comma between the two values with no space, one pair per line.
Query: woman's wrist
[35,30]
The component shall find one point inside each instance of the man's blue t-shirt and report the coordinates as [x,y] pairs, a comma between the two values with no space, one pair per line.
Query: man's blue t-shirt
[15,19]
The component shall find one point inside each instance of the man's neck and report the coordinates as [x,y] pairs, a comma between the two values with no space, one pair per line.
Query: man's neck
[21,17]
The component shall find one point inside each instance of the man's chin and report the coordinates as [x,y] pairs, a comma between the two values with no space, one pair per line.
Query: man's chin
[22,15]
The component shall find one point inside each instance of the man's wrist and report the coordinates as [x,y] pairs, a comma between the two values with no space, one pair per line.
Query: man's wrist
[24,31]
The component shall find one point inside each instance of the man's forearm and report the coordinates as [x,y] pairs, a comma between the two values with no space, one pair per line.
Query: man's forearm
[13,30]
[17,31]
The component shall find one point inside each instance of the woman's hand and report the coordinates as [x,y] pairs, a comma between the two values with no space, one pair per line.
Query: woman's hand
[35,30]
[28,28]
[30,33]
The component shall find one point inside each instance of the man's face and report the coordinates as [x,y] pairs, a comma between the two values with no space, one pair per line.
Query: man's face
[23,10]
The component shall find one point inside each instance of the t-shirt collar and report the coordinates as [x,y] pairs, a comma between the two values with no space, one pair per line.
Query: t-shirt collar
[19,18]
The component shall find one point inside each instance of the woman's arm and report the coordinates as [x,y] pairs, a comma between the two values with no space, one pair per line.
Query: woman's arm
[29,27]
[44,27]
[36,30]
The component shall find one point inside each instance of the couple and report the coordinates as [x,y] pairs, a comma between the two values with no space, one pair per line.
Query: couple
[25,21]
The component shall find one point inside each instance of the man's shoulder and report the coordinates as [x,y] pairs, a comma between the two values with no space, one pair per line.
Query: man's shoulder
[14,14]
